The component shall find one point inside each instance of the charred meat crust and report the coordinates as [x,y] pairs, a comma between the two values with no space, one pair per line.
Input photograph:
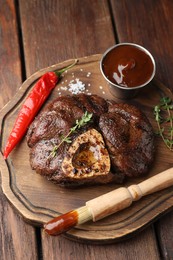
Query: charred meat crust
[129,138]
[126,131]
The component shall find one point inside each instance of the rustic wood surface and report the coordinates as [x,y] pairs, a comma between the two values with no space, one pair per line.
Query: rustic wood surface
[36,34]
[28,194]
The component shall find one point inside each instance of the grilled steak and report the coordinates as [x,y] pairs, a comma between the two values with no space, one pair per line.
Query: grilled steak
[117,142]
[129,138]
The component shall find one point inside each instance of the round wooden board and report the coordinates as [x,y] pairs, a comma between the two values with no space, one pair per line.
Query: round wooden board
[38,200]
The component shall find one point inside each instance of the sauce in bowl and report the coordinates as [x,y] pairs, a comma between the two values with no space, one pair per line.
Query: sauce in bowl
[128,65]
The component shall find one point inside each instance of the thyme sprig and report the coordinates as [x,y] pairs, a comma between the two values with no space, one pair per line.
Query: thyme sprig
[164,118]
[79,123]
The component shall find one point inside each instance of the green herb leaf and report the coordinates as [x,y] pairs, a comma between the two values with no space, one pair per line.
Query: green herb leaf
[67,140]
[79,123]
[165,122]
[157,113]
[165,101]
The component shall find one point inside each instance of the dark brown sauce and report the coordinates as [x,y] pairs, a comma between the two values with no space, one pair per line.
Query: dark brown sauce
[62,223]
[128,66]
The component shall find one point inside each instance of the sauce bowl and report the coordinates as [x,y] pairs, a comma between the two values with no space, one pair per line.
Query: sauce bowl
[127,67]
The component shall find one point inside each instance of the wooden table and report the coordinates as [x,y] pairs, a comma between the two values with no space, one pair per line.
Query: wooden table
[36,34]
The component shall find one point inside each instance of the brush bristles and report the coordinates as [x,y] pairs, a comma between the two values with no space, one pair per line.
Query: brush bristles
[84,215]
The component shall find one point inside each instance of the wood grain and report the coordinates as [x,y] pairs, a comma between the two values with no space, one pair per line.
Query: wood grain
[164,234]
[65,29]
[130,249]
[40,55]
[149,23]
[144,22]
[10,71]
[27,193]
[17,239]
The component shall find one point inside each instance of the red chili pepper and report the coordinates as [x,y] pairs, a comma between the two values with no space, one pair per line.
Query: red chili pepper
[31,106]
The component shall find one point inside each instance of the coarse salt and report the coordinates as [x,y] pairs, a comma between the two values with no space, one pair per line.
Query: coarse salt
[76,86]
[63,88]
[89,73]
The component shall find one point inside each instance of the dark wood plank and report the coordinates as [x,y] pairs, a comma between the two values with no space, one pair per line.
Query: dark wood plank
[49,39]
[149,23]
[10,70]
[17,239]
[14,243]
[164,233]
[63,30]
[140,247]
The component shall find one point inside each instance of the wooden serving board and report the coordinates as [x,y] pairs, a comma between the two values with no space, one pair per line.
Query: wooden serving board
[39,200]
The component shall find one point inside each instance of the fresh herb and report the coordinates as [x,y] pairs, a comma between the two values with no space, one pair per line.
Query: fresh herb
[164,118]
[79,123]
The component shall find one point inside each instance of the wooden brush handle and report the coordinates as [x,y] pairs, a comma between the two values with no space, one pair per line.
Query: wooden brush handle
[121,198]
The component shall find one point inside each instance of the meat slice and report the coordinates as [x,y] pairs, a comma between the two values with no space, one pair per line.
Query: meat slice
[60,115]
[129,138]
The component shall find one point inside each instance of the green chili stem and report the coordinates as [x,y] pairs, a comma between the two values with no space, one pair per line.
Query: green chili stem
[59,72]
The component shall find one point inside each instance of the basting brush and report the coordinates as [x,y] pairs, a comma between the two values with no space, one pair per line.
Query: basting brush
[109,203]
